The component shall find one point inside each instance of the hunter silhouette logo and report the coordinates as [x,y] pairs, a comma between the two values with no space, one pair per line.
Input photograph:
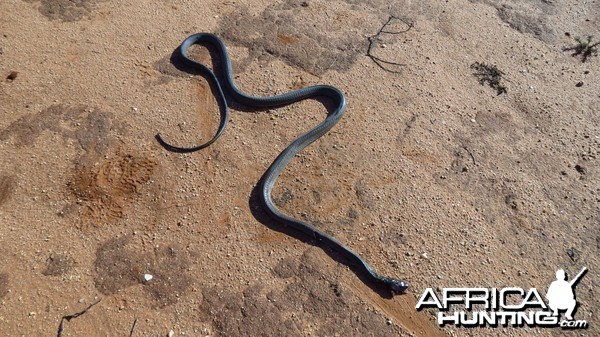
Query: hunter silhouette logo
[509,306]
[560,294]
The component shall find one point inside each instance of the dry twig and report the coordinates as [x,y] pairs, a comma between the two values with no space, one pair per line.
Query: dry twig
[383,64]
[75,315]
[133,328]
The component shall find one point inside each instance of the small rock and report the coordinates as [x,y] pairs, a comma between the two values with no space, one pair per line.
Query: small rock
[424,255]
[171,333]
[148,277]
[579,84]
[12,76]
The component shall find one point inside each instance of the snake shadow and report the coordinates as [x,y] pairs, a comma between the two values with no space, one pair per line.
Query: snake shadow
[179,63]
[256,204]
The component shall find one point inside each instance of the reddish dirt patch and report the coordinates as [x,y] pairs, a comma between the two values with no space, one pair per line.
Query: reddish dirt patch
[105,190]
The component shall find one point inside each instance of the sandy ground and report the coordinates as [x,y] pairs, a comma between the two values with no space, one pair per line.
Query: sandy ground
[431,176]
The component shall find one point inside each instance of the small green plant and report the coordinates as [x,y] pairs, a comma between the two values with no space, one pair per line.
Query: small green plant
[585,49]
[489,74]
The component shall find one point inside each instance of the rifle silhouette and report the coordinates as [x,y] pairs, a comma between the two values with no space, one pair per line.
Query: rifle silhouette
[578,276]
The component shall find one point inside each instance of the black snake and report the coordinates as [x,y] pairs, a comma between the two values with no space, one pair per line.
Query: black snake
[270,177]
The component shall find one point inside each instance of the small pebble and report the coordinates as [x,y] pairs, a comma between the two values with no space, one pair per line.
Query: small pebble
[424,255]
[12,76]
[148,277]
[171,333]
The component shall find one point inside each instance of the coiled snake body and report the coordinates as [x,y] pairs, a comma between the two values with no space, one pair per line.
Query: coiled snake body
[270,177]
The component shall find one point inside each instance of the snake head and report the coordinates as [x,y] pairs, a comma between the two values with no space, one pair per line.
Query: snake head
[397,286]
